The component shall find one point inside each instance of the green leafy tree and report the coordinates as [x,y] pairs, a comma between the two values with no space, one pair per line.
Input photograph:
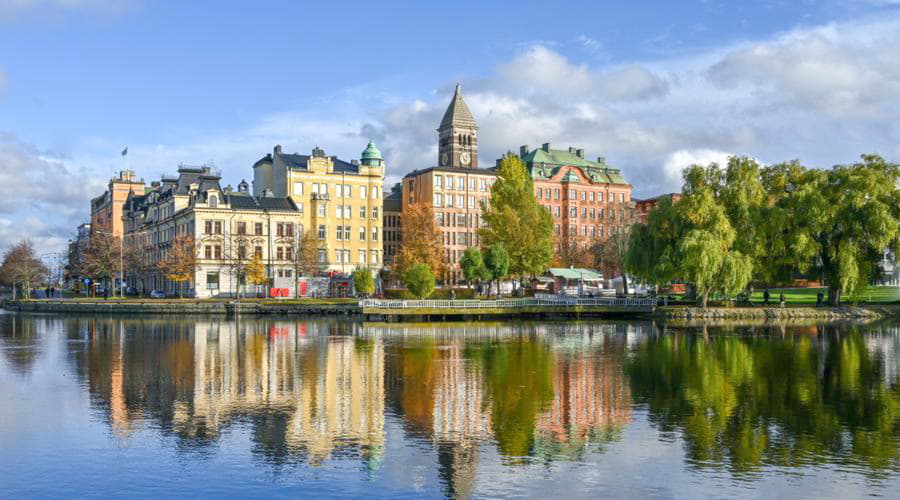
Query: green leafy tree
[841,220]
[693,241]
[497,263]
[472,263]
[516,220]
[363,281]
[419,280]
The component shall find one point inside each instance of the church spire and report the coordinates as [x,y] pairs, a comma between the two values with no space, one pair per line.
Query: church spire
[458,114]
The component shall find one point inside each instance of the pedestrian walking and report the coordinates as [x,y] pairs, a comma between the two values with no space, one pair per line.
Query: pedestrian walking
[766,297]
[781,299]
[819,298]
[452,294]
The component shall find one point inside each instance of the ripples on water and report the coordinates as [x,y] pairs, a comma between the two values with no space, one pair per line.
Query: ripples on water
[143,407]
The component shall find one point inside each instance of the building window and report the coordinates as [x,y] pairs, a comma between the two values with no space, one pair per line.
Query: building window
[556,194]
[212,281]
[449,201]
[241,228]
[583,195]
[599,197]
[482,185]
[374,257]
[347,233]
[257,252]
[362,192]
[438,181]
[322,254]
[374,234]
[322,231]
[573,212]
[340,232]
[621,197]
[374,193]
[471,201]
[279,253]
[362,234]
[288,255]
[258,229]
[298,188]
[207,252]
[438,200]
[322,210]
[217,252]
[362,257]
[583,212]
[375,213]
[471,184]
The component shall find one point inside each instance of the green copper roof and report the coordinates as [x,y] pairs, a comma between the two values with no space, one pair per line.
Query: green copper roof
[574,274]
[570,177]
[544,163]
[371,152]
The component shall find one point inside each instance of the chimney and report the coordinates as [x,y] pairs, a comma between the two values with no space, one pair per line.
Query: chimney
[579,153]
[267,193]
[523,150]
[546,146]
[278,149]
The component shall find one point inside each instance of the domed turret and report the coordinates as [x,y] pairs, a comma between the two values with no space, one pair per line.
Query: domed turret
[371,156]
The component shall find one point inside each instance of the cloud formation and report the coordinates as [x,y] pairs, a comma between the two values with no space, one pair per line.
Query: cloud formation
[823,95]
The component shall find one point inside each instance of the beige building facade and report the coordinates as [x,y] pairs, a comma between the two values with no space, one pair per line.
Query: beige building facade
[341,202]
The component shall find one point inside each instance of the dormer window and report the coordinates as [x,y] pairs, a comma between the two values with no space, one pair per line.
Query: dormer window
[213,201]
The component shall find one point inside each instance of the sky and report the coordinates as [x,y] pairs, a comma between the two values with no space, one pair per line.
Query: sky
[651,86]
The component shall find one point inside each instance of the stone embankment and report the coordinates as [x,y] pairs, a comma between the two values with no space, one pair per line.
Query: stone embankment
[773,313]
[182,307]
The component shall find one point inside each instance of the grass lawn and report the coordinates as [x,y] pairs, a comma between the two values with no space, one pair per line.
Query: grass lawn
[797,296]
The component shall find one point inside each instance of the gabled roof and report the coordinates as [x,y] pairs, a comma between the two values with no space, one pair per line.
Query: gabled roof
[458,114]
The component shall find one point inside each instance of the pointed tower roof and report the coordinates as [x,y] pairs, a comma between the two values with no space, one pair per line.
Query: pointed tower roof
[458,113]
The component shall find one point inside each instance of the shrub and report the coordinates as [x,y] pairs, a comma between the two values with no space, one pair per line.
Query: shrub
[419,281]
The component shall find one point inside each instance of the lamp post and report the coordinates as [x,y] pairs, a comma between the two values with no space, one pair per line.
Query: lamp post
[121,261]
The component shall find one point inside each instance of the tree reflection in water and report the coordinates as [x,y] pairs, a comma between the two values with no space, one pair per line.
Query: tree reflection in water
[756,398]
[309,393]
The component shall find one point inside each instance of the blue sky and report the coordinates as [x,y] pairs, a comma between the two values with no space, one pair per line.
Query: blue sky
[652,86]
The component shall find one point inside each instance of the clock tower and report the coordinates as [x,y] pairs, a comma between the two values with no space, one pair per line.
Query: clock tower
[458,135]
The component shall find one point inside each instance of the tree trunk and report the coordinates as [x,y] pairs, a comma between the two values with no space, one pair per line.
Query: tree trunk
[704,299]
[834,295]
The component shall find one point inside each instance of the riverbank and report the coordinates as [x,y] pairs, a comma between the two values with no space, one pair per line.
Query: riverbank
[867,312]
[351,307]
[326,307]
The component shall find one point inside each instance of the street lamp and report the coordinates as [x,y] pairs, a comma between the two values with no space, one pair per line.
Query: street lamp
[121,262]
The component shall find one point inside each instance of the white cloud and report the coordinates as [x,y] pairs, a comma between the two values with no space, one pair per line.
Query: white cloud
[42,196]
[835,70]
[542,70]
[683,158]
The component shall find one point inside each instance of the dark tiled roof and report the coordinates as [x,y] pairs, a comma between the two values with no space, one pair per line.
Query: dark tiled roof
[458,113]
[262,203]
[301,162]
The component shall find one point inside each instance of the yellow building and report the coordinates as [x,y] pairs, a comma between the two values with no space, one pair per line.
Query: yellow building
[340,201]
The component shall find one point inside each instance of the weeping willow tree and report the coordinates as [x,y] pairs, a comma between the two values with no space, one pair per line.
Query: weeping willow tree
[693,241]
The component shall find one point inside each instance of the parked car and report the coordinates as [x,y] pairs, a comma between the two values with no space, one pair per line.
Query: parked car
[156,294]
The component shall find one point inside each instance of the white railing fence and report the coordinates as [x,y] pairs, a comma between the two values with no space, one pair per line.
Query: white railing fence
[552,300]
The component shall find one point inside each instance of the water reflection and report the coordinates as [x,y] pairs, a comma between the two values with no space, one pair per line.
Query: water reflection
[746,401]
[315,393]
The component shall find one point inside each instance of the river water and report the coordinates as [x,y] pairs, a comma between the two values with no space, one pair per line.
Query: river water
[143,407]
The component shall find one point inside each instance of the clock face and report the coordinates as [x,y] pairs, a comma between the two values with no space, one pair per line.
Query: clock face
[464,158]
[444,159]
